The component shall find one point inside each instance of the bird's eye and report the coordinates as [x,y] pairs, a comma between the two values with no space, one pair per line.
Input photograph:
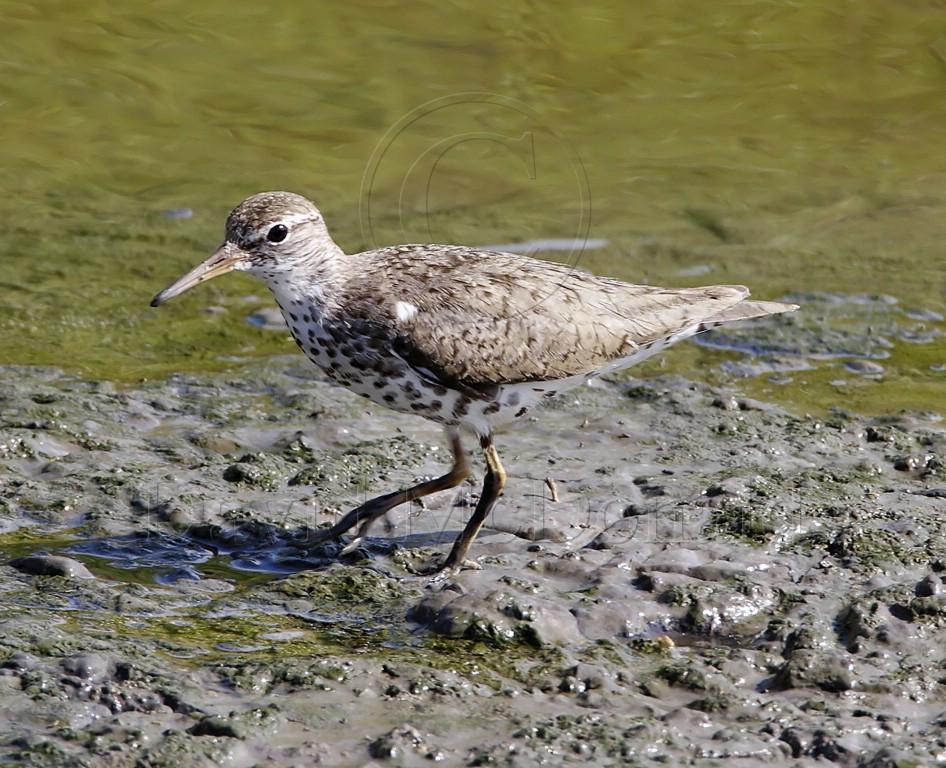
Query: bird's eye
[277,233]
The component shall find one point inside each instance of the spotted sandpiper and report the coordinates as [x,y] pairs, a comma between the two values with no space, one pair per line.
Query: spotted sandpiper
[466,337]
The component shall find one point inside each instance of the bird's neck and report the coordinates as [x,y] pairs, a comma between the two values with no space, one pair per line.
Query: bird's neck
[314,287]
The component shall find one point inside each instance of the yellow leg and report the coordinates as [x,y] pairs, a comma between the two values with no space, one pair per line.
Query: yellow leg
[493,485]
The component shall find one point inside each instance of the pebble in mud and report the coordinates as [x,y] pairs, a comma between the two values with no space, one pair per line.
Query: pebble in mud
[52,565]
[866,367]
[397,741]
[268,318]
[929,586]
[258,470]
[88,666]
[805,669]
[726,403]
[19,660]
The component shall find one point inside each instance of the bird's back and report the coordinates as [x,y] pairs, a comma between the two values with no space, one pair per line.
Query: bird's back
[485,318]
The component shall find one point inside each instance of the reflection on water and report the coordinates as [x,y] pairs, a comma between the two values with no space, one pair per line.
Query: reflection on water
[548,245]
[792,148]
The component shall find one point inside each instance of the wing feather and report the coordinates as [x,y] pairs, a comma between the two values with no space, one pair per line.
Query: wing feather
[486,318]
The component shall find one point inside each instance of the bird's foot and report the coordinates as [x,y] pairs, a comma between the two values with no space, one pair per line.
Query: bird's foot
[352,545]
[363,529]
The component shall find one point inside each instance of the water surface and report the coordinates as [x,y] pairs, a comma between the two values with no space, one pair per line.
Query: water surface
[794,148]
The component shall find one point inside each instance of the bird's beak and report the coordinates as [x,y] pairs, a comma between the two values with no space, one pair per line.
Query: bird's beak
[225,259]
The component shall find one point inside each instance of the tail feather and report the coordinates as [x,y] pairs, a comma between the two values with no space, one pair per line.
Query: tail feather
[746,310]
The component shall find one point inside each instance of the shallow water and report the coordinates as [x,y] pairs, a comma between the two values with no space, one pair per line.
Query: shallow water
[723,578]
[791,148]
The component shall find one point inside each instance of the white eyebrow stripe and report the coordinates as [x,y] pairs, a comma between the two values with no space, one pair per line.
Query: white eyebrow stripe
[290,220]
[295,218]
[405,311]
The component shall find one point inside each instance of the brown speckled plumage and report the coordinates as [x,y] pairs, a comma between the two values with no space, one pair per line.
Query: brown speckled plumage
[466,337]
[486,318]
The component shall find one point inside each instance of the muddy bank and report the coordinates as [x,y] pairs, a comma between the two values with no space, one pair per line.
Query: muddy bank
[719,579]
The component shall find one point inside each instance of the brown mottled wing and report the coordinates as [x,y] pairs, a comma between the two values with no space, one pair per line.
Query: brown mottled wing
[496,318]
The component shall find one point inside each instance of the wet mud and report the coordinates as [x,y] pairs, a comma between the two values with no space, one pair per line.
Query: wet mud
[720,581]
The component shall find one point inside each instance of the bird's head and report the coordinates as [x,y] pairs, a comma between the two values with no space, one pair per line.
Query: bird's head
[271,235]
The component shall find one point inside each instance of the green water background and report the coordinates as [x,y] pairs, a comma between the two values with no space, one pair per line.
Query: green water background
[788,146]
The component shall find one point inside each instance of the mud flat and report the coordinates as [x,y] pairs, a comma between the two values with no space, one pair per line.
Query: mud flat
[720,581]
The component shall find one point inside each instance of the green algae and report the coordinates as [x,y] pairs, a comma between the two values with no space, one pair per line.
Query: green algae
[359,588]
[328,615]
[739,519]
[235,645]
[787,148]
[875,549]
[27,540]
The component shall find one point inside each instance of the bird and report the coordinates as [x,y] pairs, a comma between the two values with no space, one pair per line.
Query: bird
[467,337]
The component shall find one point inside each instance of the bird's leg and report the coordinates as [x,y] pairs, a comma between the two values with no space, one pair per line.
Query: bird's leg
[493,485]
[371,510]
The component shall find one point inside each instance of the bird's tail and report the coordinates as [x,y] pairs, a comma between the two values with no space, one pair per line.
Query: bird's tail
[746,310]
